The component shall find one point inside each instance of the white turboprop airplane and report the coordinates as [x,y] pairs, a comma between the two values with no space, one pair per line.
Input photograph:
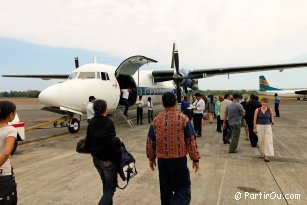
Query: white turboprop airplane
[105,82]
[266,89]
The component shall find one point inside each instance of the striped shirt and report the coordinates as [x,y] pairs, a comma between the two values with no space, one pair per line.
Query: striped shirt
[171,135]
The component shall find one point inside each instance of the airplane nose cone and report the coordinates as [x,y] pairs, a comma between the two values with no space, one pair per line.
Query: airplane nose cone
[50,96]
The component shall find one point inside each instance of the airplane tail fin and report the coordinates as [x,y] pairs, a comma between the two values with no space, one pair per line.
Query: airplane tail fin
[264,85]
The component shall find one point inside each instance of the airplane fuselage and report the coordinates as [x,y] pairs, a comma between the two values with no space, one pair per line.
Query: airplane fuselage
[283,93]
[99,80]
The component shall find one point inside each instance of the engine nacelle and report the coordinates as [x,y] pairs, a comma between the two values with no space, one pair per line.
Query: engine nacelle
[188,83]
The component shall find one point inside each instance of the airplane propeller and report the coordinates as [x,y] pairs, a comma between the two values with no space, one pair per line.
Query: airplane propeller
[177,76]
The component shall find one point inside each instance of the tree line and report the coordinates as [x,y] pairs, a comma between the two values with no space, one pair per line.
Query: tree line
[231,92]
[18,94]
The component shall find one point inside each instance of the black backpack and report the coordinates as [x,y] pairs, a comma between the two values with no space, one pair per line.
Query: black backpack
[126,166]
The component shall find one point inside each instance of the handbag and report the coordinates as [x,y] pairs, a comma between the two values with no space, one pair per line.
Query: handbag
[126,166]
[82,147]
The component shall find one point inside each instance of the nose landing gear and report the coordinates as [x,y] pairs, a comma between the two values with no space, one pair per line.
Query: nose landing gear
[74,125]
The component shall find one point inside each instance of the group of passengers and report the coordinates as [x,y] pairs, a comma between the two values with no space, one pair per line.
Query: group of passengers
[232,113]
[170,137]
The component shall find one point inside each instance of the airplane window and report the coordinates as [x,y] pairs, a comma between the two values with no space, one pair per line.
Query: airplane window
[104,76]
[86,75]
[73,75]
[98,75]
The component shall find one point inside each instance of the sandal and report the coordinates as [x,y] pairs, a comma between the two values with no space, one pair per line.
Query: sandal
[261,156]
[266,159]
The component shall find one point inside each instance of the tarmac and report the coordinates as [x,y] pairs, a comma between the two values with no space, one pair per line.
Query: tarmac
[50,171]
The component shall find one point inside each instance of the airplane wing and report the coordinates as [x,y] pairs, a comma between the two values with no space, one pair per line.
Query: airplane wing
[301,92]
[233,70]
[132,64]
[43,77]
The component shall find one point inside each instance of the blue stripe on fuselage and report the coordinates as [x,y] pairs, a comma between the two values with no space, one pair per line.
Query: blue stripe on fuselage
[154,91]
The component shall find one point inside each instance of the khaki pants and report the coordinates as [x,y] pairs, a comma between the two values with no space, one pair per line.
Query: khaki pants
[265,140]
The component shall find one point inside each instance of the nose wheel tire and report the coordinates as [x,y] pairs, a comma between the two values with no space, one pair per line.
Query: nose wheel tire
[74,126]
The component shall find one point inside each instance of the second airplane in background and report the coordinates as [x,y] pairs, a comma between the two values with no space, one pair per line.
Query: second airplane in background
[266,89]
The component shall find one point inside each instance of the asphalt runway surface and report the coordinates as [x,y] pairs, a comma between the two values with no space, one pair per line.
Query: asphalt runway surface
[50,171]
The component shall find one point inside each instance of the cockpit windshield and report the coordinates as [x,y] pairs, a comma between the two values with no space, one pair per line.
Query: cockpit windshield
[86,75]
[73,75]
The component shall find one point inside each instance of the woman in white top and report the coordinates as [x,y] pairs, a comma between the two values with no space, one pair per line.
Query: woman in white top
[139,110]
[150,110]
[8,135]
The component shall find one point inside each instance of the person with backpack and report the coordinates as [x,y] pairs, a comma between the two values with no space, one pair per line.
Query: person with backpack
[170,138]
[104,146]
[263,119]
[8,136]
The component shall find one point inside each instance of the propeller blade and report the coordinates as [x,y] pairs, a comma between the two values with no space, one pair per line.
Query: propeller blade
[172,63]
[176,59]
[76,62]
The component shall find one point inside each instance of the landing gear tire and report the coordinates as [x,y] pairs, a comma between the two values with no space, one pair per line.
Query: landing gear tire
[298,98]
[74,126]
[55,124]
[305,99]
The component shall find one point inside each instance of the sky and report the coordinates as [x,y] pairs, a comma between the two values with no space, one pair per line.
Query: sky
[43,37]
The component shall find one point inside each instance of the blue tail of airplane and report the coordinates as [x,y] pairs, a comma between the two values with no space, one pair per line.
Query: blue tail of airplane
[264,85]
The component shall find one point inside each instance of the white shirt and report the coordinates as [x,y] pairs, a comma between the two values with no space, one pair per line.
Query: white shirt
[223,106]
[90,111]
[5,132]
[199,106]
[139,103]
[125,93]
[149,105]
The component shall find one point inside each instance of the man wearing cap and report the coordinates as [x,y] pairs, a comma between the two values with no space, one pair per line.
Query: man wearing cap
[89,108]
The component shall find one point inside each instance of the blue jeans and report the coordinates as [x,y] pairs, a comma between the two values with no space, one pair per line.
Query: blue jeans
[175,184]
[108,173]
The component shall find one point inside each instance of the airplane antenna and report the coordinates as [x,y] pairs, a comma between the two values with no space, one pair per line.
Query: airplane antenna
[76,62]
[94,59]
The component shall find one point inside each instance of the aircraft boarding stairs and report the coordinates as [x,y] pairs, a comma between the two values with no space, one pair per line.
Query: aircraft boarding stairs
[121,109]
